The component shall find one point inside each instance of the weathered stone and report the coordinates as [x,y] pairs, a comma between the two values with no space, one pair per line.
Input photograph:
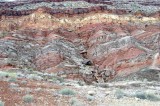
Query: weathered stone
[49,59]
[81,39]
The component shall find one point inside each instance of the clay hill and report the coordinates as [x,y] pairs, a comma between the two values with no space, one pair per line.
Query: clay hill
[80,53]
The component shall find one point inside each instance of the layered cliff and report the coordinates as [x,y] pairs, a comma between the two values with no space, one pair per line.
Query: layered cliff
[101,39]
[79,52]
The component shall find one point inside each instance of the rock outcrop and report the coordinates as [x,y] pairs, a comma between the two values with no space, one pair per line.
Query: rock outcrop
[90,38]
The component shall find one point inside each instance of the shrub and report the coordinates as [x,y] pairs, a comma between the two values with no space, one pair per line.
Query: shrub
[75,102]
[60,79]
[12,79]
[7,74]
[28,98]
[148,96]
[3,34]
[119,94]
[34,77]
[67,91]
[1,103]
[3,74]
[56,78]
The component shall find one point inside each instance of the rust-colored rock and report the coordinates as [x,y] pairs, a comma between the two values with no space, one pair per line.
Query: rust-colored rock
[62,37]
[48,60]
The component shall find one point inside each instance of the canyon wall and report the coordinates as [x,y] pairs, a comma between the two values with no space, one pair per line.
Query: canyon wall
[82,37]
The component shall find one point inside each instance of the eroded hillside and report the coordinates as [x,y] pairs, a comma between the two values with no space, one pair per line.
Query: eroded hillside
[98,42]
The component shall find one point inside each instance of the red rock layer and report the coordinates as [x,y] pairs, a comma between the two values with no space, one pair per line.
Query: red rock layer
[92,42]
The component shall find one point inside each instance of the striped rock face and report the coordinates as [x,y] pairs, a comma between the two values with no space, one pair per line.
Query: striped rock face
[96,38]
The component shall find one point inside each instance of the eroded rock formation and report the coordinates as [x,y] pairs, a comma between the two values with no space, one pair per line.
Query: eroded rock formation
[85,38]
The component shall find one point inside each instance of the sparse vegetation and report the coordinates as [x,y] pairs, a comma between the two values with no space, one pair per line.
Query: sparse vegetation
[28,98]
[1,103]
[138,94]
[3,74]
[12,79]
[12,75]
[75,102]
[146,95]
[65,4]
[35,77]
[56,78]
[67,91]
[136,7]
[80,83]
[119,94]
[3,34]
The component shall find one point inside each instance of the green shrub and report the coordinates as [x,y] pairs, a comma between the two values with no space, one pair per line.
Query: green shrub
[148,96]
[119,94]
[3,74]
[3,34]
[1,103]
[35,77]
[28,98]
[67,91]
[56,78]
[60,79]
[12,79]
[75,102]
[7,74]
